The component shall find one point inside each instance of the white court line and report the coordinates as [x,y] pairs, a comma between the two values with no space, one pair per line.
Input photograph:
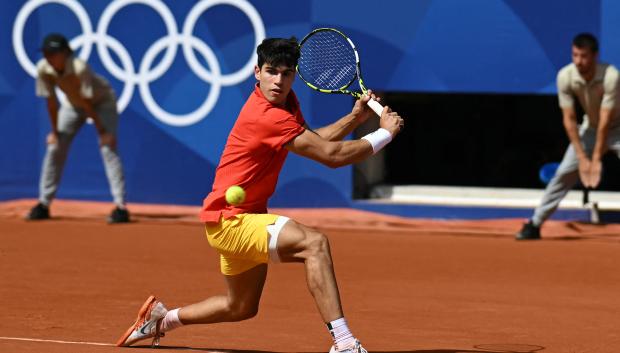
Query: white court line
[23,339]
[55,341]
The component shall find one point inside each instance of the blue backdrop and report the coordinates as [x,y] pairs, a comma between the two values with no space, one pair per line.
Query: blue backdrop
[182,69]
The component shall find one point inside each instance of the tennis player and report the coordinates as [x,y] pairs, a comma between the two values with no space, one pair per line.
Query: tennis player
[247,237]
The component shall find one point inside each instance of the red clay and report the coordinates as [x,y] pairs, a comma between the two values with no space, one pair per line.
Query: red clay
[407,285]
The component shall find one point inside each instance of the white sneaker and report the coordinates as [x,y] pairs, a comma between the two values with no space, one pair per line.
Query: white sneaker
[147,324]
[356,349]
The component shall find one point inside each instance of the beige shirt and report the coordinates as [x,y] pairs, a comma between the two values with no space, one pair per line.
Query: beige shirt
[77,81]
[601,92]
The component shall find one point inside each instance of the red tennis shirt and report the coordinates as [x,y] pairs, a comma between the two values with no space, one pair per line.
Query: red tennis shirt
[253,155]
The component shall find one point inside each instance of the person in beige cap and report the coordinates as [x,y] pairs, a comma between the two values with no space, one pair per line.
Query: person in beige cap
[88,95]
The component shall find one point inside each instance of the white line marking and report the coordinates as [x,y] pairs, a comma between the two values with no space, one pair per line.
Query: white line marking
[54,341]
[24,339]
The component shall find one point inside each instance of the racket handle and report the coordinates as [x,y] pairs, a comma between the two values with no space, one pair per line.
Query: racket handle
[375,106]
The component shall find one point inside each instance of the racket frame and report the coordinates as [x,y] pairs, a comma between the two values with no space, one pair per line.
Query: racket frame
[378,108]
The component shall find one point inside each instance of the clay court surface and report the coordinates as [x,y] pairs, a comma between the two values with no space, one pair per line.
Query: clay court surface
[74,284]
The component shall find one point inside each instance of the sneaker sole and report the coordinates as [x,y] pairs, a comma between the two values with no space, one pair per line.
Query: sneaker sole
[526,238]
[28,218]
[141,314]
[110,221]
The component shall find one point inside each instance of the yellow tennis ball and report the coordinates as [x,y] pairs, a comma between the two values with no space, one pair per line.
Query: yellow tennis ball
[235,195]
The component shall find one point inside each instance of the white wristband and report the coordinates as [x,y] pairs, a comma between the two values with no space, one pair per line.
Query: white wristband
[378,139]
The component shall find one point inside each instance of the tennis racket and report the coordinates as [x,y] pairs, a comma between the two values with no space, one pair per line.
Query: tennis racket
[329,63]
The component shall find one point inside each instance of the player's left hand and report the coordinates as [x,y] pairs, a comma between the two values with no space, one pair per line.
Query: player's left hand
[596,167]
[361,110]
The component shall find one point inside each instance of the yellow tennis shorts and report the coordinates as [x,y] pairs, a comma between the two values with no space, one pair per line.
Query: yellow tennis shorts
[245,241]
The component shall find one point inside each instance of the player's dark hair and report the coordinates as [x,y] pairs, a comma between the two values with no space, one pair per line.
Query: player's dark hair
[586,40]
[278,51]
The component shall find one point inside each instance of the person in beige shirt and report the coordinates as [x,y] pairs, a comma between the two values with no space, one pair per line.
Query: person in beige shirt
[86,95]
[595,86]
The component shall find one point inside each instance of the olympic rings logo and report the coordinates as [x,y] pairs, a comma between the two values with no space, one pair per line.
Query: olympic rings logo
[145,73]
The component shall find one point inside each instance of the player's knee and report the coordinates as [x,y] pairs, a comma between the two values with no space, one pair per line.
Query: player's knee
[319,246]
[242,311]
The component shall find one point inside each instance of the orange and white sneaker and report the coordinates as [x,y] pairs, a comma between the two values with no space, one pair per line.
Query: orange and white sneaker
[147,324]
[355,349]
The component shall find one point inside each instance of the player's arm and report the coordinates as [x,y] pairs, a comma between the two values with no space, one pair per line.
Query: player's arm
[45,88]
[601,134]
[600,147]
[569,119]
[335,154]
[607,112]
[84,81]
[345,125]
[572,131]
[52,110]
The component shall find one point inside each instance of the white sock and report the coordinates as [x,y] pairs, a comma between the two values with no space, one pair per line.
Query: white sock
[171,321]
[343,338]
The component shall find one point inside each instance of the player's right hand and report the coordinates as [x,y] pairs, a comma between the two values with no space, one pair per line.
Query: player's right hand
[391,121]
[52,138]
[361,111]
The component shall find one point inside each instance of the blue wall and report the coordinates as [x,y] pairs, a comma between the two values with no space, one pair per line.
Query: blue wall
[170,152]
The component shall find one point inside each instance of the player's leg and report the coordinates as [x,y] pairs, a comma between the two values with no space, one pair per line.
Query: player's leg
[298,243]
[112,163]
[565,178]
[242,242]
[240,303]
[68,124]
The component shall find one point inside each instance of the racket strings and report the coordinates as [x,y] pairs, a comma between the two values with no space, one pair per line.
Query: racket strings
[327,61]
